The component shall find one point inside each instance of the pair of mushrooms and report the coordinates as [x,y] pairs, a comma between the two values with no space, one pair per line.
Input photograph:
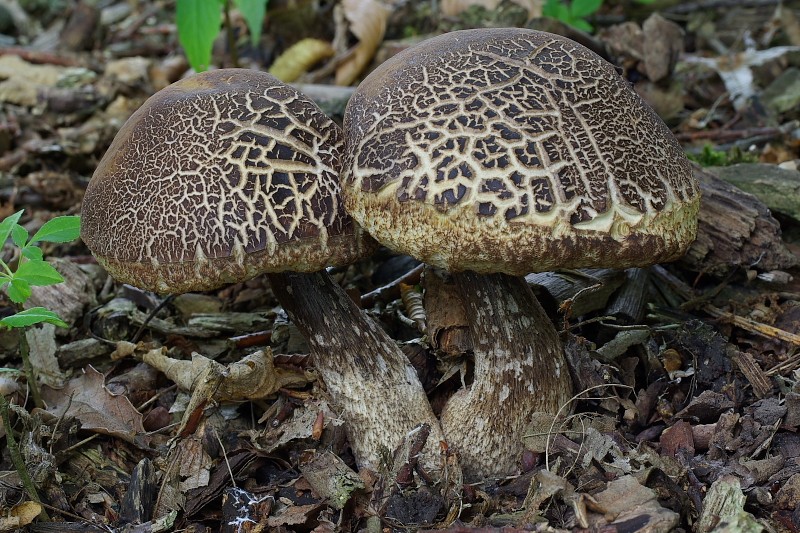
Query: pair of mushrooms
[490,153]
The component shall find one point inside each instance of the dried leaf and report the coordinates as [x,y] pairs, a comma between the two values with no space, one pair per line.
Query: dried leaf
[42,353]
[626,500]
[295,515]
[452,8]
[299,58]
[252,378]
[368,20]
[25,512]
[86,399]
[331,478]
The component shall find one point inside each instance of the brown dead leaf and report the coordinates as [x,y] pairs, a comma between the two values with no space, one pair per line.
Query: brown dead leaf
[627,502]
[86,399]
[331,478]
[452,8]
[25,512]
[252,378]
[367,20]
[295,515]
[303,424]
[546,485]
[299,58]
[189,467]
[42,344]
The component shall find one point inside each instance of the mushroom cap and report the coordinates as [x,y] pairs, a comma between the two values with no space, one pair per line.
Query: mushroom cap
[512,150]
[218,178]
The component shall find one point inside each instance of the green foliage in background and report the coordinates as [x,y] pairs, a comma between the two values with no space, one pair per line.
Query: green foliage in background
[573,13]
[710,157]
[31,269]
[199,23]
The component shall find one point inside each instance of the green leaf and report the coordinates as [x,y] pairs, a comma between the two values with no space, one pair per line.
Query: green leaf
[19,235]
[34,315]
[38,273]
[551,8]
[581,25]
[34,253]
[7,225]
[198,25]
[59,229]
[253,12]
[19,290]
[583,8]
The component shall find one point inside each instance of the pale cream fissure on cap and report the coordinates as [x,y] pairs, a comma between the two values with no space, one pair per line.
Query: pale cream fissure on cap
[513,150]
[215,179]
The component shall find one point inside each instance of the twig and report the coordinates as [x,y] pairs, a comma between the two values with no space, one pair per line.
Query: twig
[30,373]
[722,135]
[691,7]
[150,317]
[741,322]
[392,289]
[39,57]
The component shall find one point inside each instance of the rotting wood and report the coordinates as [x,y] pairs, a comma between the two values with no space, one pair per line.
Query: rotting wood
[736,230]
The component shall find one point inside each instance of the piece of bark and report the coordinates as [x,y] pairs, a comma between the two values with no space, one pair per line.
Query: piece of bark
[581,291]
[447,324]
[628,304]
[137,505]
[736,230]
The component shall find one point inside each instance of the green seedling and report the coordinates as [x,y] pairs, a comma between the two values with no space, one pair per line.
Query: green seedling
[573,13]
[30,268]
[199,23]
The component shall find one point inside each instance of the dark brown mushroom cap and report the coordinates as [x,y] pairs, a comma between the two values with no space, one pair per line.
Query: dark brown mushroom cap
[514,150]
[215,179]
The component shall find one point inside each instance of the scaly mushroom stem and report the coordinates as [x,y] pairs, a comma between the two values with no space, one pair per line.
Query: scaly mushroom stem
[369,378]
[520,369]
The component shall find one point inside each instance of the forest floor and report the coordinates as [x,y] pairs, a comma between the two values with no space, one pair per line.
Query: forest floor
[690,371]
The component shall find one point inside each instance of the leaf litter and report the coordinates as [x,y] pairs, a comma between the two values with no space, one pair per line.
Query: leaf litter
[690,404]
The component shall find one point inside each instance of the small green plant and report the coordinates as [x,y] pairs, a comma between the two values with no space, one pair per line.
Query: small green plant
[573,13]
[31,269]
[199,23]
[709,157]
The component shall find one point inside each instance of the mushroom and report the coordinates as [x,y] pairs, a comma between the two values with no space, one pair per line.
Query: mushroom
[230,174]
[492,153]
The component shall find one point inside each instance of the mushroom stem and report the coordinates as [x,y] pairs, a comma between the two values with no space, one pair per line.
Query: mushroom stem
[369,378]
[520,369]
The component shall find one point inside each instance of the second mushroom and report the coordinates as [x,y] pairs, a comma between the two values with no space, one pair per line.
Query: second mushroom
[496,152]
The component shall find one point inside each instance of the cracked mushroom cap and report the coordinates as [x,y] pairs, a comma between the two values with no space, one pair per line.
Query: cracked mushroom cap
[512,150]
[218,178]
